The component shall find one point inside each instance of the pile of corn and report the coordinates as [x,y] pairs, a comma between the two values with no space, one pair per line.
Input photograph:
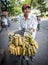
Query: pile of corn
[25,45]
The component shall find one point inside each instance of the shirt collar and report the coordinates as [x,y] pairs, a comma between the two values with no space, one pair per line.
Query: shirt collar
[28,16]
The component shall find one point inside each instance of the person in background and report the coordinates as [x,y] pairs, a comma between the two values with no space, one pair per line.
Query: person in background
[0,25]
[28,22]
[38,26]
[4,22]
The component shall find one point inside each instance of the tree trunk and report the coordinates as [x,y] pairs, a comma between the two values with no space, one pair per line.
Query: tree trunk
[31,3]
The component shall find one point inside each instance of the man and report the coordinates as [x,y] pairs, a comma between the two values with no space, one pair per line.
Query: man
[28,22]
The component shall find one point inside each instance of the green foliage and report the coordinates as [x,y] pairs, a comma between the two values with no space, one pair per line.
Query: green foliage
[47,9]
[47,15]
[41,5]
[17,10]
[14,7]
[27,2]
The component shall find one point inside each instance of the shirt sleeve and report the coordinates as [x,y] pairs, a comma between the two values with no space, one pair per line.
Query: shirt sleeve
[19,23]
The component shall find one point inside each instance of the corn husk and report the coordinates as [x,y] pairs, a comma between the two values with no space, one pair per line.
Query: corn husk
[26,38]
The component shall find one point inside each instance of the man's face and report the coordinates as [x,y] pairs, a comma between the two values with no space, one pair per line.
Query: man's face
[26,11]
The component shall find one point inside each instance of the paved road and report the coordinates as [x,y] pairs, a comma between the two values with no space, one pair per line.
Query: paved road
[41,58]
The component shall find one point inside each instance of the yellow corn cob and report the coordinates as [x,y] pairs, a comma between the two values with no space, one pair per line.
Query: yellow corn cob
[34,50]
[36,44]
[20,41]
[15,40]
[15,51]
[18,50]
[11,48]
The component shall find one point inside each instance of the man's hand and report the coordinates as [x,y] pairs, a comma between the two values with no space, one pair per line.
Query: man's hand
[32,30]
